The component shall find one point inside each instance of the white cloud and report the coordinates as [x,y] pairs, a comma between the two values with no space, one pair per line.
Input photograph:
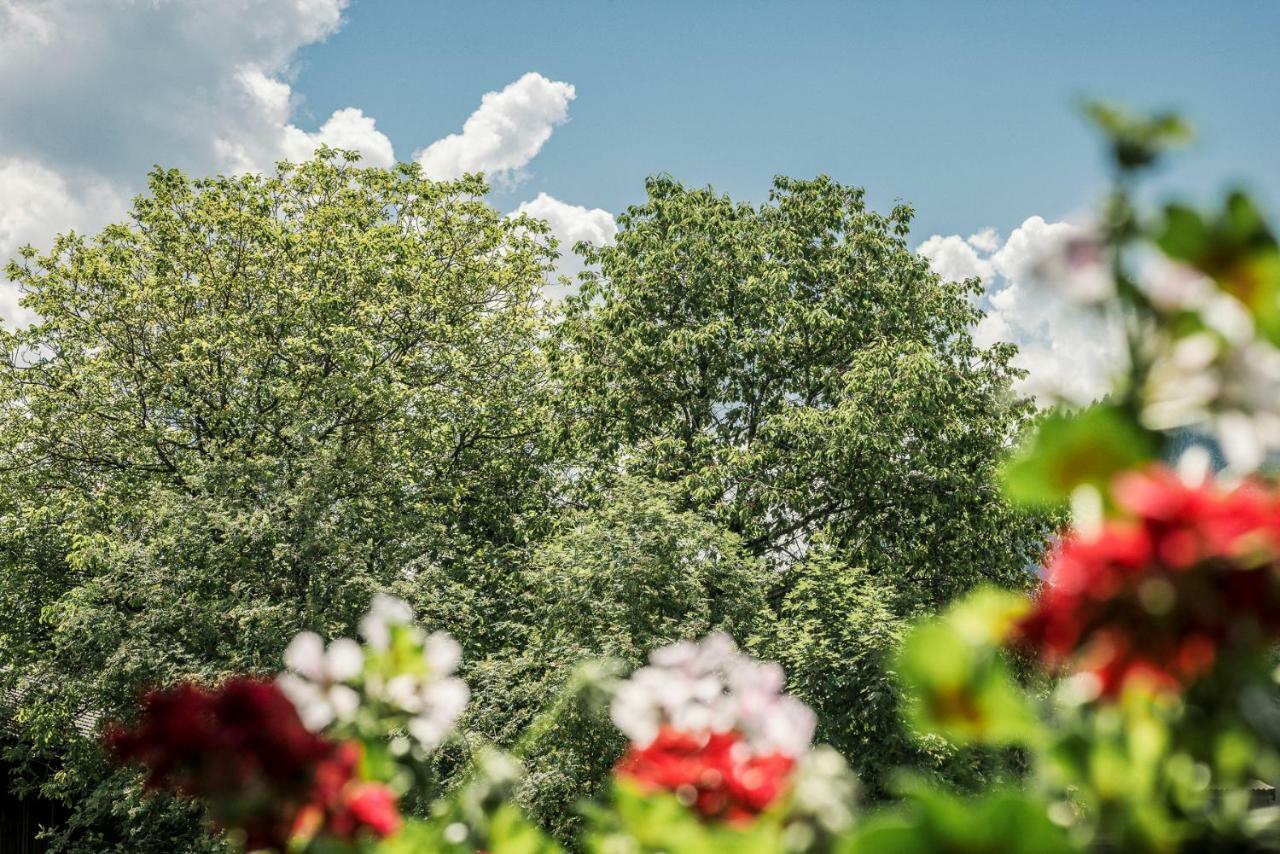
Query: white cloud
[95,92]
[570,224]
[1027,245]
[1067,351]
[505,132]
[115,86]
[35,203]
[954,258]
[269,100]
[348,129]
[987,240]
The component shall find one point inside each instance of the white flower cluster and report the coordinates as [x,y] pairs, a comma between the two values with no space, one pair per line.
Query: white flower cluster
[1222,380]
[414,676]
[317,679]
[710,686]
[424,689]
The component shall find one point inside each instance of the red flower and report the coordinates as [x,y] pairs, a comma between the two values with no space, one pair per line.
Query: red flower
[344,806]
[1162,593]
[715,773]
[365,806]
[243,752]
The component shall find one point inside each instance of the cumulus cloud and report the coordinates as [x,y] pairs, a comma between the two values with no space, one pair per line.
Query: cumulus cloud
[1068,352]
[987,240]
[115,86]
[93,93]
[955,258]
[570,224]
[36,202]
[505,132]
[269,101]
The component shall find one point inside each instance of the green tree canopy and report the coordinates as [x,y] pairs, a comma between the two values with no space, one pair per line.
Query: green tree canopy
[246,408]
[263,398]
[613,583]
[792,368]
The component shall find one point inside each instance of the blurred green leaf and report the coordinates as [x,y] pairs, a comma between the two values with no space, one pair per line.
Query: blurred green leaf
[511,833]
[957,681]
[643,821]
[1137,140]
[1236,249]
[934,821]
[1072,449]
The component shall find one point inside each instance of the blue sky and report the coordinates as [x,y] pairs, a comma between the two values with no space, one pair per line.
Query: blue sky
[966,110]
[963,109]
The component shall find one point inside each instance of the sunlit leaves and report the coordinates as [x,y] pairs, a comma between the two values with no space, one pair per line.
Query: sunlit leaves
[1236,248]
[249,406]
[935,821]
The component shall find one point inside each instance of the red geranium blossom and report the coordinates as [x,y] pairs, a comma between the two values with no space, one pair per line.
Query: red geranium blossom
[1161,593]
[241,750]
[343,806]
[715,773]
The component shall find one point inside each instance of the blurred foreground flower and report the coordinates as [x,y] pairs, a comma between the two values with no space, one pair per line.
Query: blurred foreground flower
[317,676]
[410,672]
[1186,577]
[711,725]
[243,751]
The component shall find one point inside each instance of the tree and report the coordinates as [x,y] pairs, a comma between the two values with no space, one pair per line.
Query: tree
[616,581]
[793,372]
[835,637]
[793,369]
[241,412]
[264,398]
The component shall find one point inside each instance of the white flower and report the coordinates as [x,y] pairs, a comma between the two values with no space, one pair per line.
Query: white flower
[444,702]
[442,652]
[1173,288]
[315,683]
[1183,383]
[1229,389]
[427,692]
[824,789]
[711,687]
[433,703]
[384,612]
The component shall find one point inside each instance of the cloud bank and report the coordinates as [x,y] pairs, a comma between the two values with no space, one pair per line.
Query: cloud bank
[93,93]
[1068,353]
[570,224]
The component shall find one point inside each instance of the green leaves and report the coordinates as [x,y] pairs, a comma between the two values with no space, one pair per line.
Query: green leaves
[835,636]
[640,821]
[507,832]
[793,369]
[936,822]
[958,683]
[1137,140]
[253,404]
[1235,248]
[1072,449]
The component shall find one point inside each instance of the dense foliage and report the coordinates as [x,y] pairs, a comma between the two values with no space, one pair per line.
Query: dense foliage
[245,411]
[263,399]
[792,369]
